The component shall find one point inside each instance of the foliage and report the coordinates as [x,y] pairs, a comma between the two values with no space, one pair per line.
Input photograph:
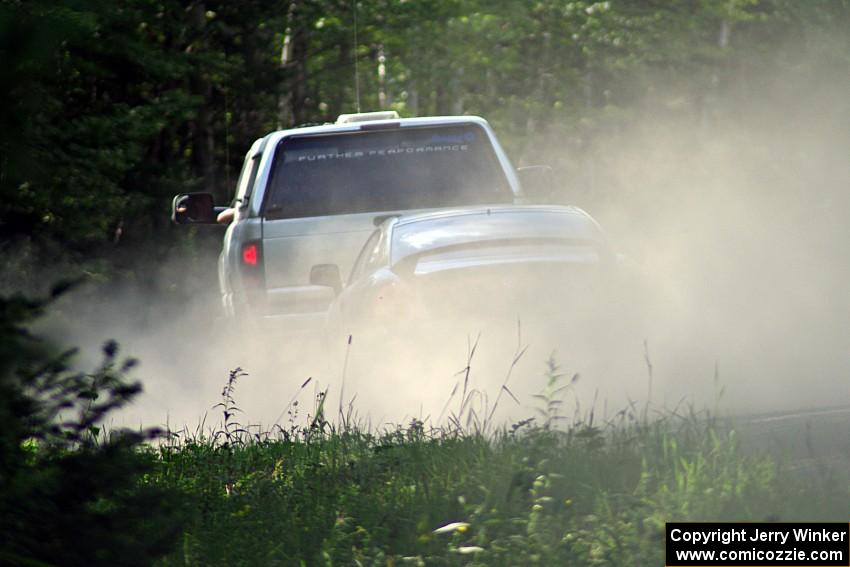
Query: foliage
[587,494]
[107,110]
[70,494]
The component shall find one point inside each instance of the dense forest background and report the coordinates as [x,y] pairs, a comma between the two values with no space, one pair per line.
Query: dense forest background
[108,109]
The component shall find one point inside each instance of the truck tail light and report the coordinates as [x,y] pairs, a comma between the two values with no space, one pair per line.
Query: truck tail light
[251,254]
[253,271]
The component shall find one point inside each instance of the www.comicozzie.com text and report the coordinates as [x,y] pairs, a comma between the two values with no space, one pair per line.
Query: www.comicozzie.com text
[757,534]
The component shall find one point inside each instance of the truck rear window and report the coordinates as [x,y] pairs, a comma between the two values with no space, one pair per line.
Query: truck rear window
[385,170]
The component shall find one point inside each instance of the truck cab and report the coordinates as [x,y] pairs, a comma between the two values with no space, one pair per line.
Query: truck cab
[309,197]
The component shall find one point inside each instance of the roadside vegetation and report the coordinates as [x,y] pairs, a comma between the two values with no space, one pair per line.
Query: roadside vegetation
[547,491]
[579,493]
[72,493]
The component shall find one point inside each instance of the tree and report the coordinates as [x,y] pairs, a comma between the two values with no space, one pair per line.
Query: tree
[71,494]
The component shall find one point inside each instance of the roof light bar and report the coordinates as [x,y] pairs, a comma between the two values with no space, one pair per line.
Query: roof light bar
[366,116]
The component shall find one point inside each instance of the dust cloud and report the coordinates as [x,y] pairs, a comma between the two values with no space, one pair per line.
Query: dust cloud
[734,291]
[739,230]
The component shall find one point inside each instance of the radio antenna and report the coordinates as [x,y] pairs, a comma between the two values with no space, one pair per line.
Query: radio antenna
[356,63]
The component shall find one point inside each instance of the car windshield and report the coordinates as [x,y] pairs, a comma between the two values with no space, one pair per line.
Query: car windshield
[385,170]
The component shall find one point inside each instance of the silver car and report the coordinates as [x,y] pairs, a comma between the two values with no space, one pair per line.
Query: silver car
[484,263]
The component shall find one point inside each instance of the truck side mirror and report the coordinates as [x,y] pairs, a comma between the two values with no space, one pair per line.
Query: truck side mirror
[538,183]
[326,275]
[193,208]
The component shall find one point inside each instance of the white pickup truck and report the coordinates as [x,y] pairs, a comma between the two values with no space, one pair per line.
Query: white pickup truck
[307,199]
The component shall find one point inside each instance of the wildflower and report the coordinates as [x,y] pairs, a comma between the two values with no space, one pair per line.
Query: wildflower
[453,527]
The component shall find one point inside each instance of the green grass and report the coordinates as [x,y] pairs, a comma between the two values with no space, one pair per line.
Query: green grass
[536,494]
